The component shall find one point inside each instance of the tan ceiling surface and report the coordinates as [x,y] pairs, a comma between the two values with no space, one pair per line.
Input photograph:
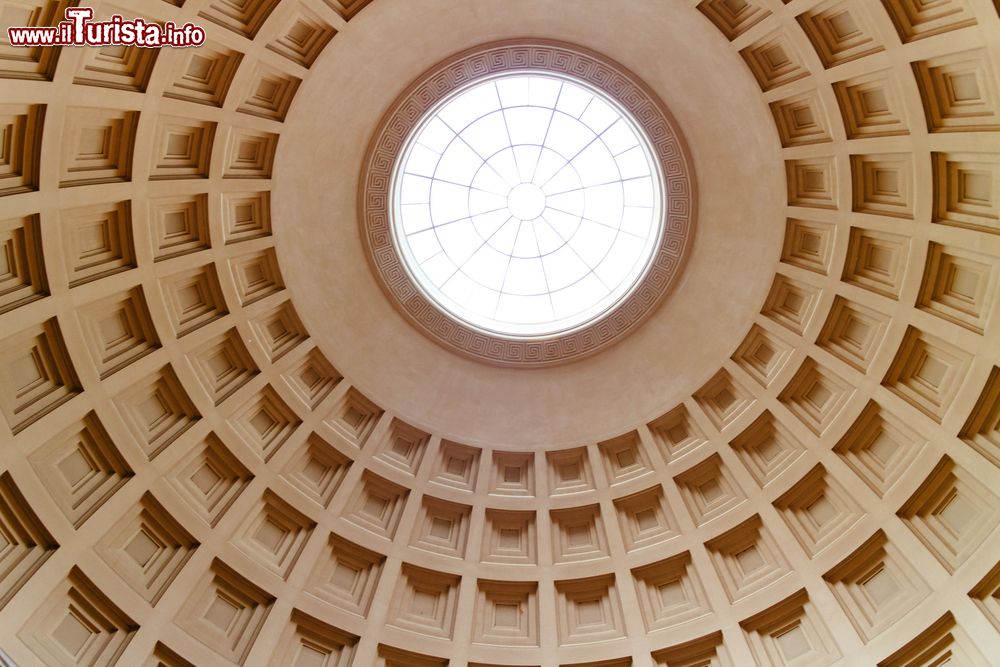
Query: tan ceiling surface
[740,193]
[221,444]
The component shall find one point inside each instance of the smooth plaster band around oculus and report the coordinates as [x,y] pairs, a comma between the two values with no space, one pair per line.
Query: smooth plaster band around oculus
[462,69]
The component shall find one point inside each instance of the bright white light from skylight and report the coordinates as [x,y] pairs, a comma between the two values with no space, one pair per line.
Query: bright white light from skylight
[527,205]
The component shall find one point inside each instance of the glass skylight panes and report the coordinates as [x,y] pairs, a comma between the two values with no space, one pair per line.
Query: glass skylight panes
[527,205]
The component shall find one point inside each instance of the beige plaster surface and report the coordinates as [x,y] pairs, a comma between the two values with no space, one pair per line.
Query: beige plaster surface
[740,198]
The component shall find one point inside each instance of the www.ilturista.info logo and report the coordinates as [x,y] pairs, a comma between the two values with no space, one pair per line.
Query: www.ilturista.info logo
[79,30]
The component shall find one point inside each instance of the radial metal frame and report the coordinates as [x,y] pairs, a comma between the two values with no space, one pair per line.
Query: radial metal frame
[615,294]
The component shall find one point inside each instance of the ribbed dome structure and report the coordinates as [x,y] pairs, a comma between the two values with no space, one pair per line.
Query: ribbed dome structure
[223,442]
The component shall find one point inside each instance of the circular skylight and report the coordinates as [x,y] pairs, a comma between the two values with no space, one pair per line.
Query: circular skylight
[527,205]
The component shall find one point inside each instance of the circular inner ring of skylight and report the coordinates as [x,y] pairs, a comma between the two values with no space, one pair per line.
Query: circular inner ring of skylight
[527,204]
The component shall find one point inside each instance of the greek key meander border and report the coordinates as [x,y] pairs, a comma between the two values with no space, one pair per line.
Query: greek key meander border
[486,60]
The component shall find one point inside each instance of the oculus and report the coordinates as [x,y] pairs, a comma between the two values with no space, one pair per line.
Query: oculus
[527,202]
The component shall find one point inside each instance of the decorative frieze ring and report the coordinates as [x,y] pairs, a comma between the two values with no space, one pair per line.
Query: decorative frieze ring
[487,60]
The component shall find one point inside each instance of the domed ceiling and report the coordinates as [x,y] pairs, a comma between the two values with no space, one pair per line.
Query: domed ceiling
[224,440]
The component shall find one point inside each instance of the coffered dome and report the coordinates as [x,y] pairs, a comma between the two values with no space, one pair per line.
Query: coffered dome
[750,415]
